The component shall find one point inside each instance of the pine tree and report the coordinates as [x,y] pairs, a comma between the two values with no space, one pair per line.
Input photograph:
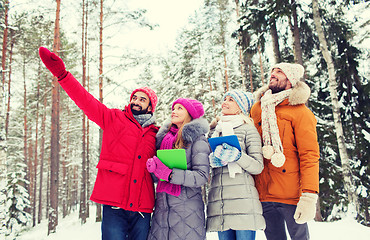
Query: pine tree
[346,165]
[17,199]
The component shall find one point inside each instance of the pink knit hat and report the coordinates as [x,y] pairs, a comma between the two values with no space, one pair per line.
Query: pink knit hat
[151,94]
[194,107]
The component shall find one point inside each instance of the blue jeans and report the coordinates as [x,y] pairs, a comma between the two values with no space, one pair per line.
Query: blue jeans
[119,224]
[237,235]
[276,216]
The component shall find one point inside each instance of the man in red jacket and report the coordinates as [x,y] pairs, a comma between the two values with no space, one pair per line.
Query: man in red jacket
[123,185]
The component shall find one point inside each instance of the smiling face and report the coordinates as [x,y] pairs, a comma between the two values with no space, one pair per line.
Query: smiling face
[140,103]
[278,81]
[179,115]
[230,107]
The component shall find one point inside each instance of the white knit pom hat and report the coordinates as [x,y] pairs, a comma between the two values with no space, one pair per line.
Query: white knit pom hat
[293,71]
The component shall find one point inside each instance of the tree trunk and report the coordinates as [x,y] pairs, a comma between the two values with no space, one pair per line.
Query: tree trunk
[25,133]
[83,165]
[98,208]
[5,42]
[64,191]
[241,57]
[63,160]
[213,100]
[367,215]
[36,148]
[101,54]
[74,181]
[42,154]
[261,65]
[31,176]
[275,40]
[36,156]
[48,190]
[88,158]
[66,184]
[349,186]
[295,31]
[9,92]
[31,168]
[54,141]
[245,43]
[221,7]
[248,63]
[226,74]
[3,119]
[87,121]
[318,216]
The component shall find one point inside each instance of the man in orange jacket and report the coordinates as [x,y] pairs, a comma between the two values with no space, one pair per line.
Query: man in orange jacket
[289,183]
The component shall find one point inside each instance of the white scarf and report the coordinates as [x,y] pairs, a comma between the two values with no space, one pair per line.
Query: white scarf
[226,127]
[272,147]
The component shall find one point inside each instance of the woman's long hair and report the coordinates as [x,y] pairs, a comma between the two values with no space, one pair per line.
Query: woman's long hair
[247,119]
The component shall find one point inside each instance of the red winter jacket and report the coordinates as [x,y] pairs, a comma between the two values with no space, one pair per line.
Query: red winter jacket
[122,180]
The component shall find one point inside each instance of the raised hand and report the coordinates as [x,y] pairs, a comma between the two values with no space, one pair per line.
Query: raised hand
[52,62]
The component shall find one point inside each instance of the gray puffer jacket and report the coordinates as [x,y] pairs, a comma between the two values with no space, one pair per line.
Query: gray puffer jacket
[233,203]
[183,217]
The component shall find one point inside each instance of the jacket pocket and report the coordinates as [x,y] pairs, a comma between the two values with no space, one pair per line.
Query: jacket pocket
[286,132]
[284,183]
[110,184]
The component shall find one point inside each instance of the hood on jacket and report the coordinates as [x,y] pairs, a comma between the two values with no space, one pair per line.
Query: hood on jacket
[191,131]
[300,94]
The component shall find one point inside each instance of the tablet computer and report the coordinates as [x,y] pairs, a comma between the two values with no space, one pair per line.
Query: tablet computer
[231,140]
[173,158]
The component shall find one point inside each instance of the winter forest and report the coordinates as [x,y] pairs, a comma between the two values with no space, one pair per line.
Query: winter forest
[49,149]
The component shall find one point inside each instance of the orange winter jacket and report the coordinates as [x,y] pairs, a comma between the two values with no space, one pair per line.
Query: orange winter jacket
[297,129]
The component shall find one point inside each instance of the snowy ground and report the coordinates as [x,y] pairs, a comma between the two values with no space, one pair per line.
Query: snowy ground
[70,229]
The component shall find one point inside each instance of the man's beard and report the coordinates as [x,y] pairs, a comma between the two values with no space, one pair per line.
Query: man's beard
[140,111]
[275,89]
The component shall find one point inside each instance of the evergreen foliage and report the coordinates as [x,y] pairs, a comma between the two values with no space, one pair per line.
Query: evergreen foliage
[353,92]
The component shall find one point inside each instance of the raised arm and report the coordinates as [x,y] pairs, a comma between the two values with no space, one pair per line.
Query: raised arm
[95,110]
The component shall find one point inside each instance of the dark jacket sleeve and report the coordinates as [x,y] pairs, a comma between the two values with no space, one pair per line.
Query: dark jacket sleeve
[198,175]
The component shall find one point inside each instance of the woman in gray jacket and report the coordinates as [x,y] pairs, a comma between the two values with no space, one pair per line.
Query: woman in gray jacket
[234,209]
[179,207]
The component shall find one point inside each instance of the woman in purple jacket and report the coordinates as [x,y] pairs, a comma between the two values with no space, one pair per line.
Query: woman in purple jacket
[179,207]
